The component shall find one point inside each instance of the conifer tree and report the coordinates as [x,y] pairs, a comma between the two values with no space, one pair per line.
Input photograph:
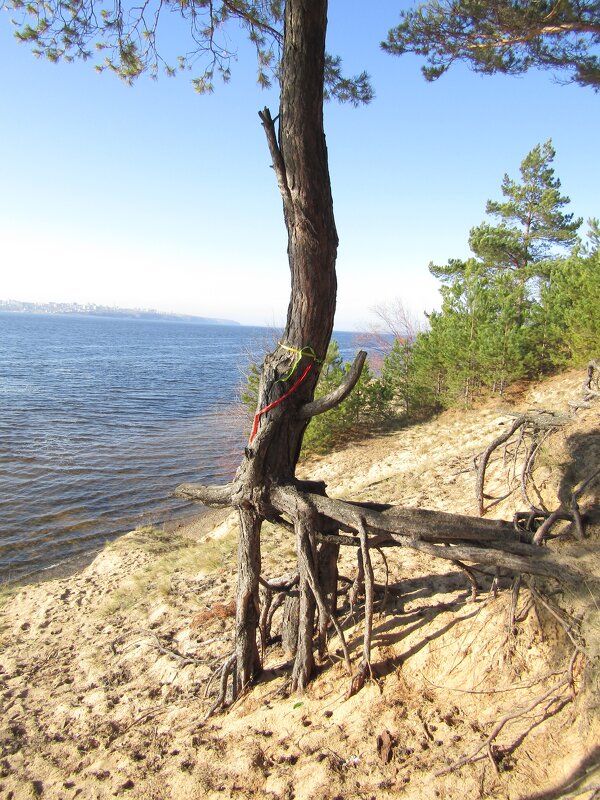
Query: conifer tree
[571,298]
[496,324]
[506,36]
[531,222]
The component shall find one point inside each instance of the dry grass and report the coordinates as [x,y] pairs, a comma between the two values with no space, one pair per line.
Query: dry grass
[167,554]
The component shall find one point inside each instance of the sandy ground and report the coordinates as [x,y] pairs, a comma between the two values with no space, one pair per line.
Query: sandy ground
[104,673]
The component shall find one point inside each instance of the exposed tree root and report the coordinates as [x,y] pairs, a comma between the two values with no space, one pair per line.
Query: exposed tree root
[224,671]
[554,699]
[451,537]
[322,525]
[537,426]
[570,626]
[184,659]
[364,669]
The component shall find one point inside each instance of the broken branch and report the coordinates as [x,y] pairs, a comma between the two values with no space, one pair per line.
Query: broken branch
[335,397]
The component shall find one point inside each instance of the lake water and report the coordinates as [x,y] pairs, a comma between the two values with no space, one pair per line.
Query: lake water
[100,419]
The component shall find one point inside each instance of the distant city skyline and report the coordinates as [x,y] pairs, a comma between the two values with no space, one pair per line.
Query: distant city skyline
[154,197]
[94,309]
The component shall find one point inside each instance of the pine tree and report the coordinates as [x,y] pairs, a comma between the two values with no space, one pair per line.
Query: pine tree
[496,321]
[506,36]
[571,300]
[532,225]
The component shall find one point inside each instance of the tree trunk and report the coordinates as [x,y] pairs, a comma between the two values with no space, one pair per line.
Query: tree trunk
[299,156]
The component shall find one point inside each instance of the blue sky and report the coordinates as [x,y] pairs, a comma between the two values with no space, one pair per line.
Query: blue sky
[153,196]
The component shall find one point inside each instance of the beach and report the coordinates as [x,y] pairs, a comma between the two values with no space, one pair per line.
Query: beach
[104,671]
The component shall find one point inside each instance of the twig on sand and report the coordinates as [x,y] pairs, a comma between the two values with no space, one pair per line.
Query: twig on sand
[165,650]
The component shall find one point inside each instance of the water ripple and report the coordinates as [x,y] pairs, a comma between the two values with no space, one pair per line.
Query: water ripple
[100,419]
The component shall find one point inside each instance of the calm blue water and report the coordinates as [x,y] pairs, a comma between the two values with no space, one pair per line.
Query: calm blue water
[100,419]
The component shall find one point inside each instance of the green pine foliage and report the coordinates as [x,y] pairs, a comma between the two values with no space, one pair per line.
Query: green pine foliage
[506,36]
[571,300]
[519,308]
[524,305]
[367,407]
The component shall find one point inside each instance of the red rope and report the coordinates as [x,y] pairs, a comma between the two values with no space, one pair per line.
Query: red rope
[276,402]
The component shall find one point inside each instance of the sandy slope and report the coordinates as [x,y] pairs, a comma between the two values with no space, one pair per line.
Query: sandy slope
[94,703]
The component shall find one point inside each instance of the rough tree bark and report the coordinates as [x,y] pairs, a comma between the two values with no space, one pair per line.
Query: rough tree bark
[299,157]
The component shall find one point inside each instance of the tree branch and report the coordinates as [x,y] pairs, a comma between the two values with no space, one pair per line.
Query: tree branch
[335,397]
[218,496]
[278,164]
[531,34]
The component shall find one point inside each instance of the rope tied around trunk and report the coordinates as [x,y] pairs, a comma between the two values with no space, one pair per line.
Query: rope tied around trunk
[307,352]
[304,351]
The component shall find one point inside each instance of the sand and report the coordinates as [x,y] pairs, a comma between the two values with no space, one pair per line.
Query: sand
[103,673]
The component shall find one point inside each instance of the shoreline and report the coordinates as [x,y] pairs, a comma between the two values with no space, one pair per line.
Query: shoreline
[188,524]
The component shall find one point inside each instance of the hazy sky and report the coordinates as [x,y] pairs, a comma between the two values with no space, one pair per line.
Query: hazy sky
[153,196]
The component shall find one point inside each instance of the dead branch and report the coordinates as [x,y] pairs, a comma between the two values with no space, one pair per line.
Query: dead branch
[268,124]
[218,496]
[335,397]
